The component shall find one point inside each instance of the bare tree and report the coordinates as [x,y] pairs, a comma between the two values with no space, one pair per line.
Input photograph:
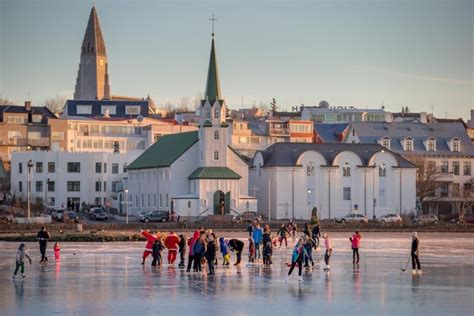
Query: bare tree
[197,100]
[426,179]
[55,104]
[273,106]
[5,101]
[183,104]
[463,202]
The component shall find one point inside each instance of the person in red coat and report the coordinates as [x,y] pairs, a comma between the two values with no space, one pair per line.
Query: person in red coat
[150,240]
[171,242]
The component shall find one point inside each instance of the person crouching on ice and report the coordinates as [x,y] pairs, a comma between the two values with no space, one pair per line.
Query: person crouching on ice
[150,240]
[237,246]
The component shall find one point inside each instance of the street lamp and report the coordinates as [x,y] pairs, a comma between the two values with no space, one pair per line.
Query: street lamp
[28,188]
[309,202]
[126,206]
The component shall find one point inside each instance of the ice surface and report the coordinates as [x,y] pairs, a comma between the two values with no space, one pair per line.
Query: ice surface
[108,279]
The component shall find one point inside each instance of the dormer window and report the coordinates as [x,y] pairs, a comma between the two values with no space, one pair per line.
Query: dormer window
[431,144]
[408,144]
[385,142]
[346,170]
[455,145]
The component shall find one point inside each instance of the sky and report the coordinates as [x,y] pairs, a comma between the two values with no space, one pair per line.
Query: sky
[363,53]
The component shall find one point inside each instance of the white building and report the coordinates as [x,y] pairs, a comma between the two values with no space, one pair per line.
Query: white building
[69,178]
[323,113]
[194,173]
[290,179]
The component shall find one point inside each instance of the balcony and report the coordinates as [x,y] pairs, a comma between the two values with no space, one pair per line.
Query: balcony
[279,132]
[39,142]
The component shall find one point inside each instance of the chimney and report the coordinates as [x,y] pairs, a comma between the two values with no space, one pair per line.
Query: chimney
[423,117]
[28,106]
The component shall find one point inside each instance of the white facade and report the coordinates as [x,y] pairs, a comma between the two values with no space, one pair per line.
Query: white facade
[312,181]
[62,178]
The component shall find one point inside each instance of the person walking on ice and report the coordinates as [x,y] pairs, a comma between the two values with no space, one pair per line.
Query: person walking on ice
[299,253]
[415,251]
[20,260]
[43,237]
[57,251]
[355,244]
[150,240]
[327,255]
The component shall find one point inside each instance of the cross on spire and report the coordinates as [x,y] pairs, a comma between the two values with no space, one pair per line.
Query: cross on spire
[213,20]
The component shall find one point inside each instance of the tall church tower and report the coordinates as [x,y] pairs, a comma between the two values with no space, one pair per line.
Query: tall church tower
[92,78]
[213,138]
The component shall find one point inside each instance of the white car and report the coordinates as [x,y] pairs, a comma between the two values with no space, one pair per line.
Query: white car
[390,218]
[352,218]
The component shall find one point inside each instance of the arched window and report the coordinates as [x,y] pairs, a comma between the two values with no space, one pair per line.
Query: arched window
[189,204]
[216,113]
[382,170]
[216,135]
[247,205]
[346,170]
[207,114]
[216,155]
[310,169]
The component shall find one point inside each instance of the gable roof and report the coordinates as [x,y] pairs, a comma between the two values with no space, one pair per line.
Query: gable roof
[330,133]
[42,110]
[287,154]
[214,173]
[372,132]
[165,151]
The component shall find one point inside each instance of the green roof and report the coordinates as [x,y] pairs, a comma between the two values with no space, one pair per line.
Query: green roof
[207,123]
[213,86]
[165,151]
[214,173]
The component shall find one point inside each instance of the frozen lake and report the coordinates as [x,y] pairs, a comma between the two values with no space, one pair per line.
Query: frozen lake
[108,279]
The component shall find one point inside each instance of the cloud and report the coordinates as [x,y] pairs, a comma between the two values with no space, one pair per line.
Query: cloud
[397,74]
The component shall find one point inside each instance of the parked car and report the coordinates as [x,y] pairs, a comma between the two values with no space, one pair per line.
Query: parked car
[390,218]
[468,218]
[249,216]
[58,214]
[99,214]
[426,219]
[155,216]
[72,216]
[352,218]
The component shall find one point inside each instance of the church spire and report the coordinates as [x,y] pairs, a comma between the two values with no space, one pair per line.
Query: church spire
[213,86]
[93,42]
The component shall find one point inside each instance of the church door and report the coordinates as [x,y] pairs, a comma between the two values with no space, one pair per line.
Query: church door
[219,202]
[227,203]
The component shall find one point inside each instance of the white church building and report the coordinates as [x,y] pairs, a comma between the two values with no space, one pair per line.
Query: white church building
[194,173]
[290,179]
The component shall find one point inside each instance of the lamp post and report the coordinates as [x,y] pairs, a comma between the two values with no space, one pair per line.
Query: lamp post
[28,189]
[309,202]
[126,206]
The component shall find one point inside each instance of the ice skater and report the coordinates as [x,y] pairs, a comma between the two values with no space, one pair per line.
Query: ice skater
[182,250]
[210,253]
[20,260]
[191,242]
[43,237]
[237,246]
[308,246]
[415,251]
[297,257]
[251,250]
[171,242]
[224,248]
[150,240]
[355,244]
[156,251]
[327,255]
[57,251]
[282,235]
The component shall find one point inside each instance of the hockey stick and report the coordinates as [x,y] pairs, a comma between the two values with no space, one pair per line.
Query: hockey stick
[406,266]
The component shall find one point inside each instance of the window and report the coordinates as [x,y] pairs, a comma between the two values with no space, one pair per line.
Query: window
[98,186]
[154,200]
[247,205]
[466,166]
[105,186]
[431,145]
[216,113]
[310,169]
[39,167]
[111,109]
[444,189]
[189,204]
[124,167]
[16,119]
[57,135]
[51,167]
[216,155]
[115,168]
[346,170]
[73,186]
[73,167]
[98,167]
[243,140]
[39,186]
[132,110]
[143,200]
[455,145]
[149,200]
[51,186]
[385,142]
[207,114]
[20,186]
[456,165]
[105,167]
[347,194]
[382,170]
[455,189]
[20,167]
[84,109]
[409,144]
[216,135]
[444,167]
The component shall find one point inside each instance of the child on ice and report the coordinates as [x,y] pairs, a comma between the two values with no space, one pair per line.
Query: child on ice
[182,250]
[224,251]
[156,250]
[251,250]
[299,253]
[20,260]
[56,249]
